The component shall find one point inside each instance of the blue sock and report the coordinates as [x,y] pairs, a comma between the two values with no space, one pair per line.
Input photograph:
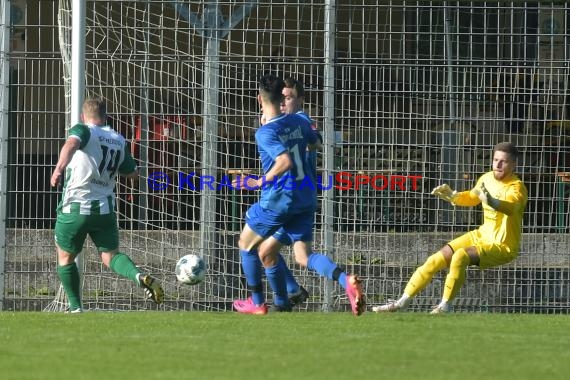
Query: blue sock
[342,280]
[325,267]
[276,277]
[251,265]
[292,285]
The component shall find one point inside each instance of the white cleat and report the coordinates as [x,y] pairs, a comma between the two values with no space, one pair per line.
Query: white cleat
[390,307]
[440,309]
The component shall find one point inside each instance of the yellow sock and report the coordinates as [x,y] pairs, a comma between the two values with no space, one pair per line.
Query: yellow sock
[423,275]
[456,276]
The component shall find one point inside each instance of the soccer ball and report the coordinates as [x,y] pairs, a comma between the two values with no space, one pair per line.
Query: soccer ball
[190,269]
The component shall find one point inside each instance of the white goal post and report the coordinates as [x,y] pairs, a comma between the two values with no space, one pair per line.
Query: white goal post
[4,108]
[74,82]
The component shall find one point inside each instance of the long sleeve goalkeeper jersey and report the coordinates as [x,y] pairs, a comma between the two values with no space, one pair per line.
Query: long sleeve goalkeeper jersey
[502,225]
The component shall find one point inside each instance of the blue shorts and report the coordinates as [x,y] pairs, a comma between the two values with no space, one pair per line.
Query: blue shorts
[283,237]
[286,228]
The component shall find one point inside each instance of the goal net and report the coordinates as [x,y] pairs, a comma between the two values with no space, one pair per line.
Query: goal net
[407,95]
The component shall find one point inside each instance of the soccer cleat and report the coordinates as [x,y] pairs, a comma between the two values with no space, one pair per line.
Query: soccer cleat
[299,297]
[390,307]
[248,307]
[355,295]
[74,311]
[440,309]
[152,288]
[280,309]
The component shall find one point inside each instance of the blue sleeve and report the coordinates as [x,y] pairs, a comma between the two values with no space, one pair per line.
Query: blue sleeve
[313,126]
[311,135]
[268,140]
[318,136]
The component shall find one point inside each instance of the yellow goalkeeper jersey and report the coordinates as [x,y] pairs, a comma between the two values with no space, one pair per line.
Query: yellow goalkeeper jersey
[503,226]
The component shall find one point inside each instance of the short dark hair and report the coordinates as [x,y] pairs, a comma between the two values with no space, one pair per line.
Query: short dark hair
[295,85]
[271,88]
[508,148]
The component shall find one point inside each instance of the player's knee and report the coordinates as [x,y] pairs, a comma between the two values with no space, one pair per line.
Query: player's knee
[268,261]
[106,258]
[447,252]
[460,259]
[246,244]
[268,257]
[434,263]
[64,258]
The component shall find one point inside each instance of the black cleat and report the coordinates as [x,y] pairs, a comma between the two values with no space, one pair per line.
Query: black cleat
[299,297]
[152,288]
[280,309]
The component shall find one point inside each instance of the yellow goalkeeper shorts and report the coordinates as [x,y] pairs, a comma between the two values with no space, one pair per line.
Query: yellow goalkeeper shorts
[491,254]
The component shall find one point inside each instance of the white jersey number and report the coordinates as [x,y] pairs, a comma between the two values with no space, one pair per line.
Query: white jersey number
[295,152]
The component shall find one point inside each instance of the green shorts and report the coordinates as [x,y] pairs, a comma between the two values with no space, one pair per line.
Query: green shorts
[72,229]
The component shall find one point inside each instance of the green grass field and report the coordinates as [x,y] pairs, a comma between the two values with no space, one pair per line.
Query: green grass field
[195,345]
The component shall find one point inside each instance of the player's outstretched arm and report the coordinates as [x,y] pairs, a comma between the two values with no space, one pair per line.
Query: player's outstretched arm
[444,192]
[463,198]
[67,151]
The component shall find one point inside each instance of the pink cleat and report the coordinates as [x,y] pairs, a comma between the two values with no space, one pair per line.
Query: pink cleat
[355,295]
[248,307]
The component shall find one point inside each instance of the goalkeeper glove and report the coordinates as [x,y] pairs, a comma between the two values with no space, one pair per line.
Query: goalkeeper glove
[444,192]
[486,197]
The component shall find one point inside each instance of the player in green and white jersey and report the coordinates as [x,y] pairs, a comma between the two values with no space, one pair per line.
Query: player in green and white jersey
[89,162]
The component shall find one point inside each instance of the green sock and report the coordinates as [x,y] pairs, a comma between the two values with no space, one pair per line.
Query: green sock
[69,277]
[123,266]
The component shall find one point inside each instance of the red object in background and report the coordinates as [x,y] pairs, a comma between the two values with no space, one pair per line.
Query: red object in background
[163,149]
[166,135]
[161,129]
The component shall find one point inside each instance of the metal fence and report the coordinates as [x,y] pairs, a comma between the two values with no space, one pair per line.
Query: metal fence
[411,93]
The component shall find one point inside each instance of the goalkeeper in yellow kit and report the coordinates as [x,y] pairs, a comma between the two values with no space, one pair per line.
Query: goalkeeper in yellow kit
[495,242]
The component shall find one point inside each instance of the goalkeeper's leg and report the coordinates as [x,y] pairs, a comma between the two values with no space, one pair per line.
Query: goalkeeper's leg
[460,260]
[419,280]
[456,276]
[423,275]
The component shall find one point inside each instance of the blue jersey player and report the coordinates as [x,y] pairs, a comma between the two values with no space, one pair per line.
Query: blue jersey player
[294,97]
[285,200]
[300,232]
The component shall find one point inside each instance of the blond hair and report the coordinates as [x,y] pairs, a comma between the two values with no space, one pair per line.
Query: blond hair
[94,109]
